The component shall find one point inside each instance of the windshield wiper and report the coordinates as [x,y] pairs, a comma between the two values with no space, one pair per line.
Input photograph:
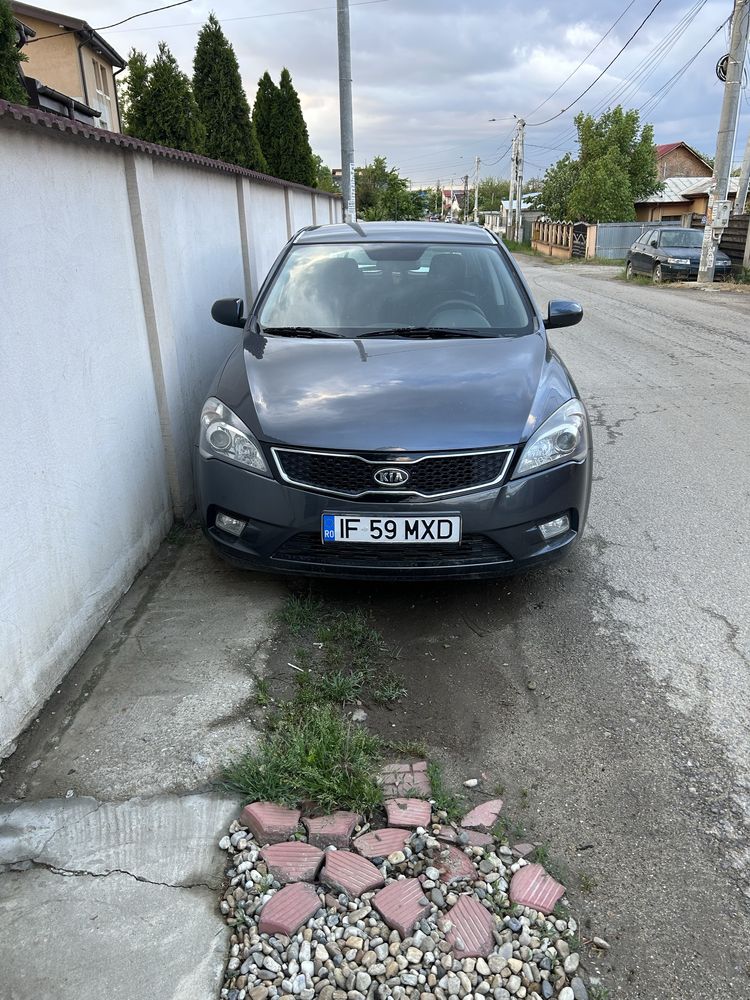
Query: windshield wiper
[298,331]
[422,331]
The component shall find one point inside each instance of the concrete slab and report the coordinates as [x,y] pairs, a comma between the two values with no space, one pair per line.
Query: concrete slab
[85,937]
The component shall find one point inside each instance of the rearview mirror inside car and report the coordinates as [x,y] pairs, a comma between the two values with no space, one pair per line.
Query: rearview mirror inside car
[229,312]
[561,312]
[654,243]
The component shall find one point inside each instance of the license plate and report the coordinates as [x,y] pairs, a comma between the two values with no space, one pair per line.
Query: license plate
[427,529]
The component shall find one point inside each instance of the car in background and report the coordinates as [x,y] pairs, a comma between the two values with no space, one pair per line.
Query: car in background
[671,254]
[394,410]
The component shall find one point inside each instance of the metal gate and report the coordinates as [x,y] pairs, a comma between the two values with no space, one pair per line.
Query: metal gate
[580,234]
[614,239]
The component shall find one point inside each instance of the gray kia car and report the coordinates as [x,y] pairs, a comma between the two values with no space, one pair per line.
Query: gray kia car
[394,410]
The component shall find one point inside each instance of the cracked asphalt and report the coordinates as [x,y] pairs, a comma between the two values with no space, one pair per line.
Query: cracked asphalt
[608,697]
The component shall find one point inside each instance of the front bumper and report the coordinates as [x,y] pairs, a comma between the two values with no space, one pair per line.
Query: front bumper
[283,534]
[689,272]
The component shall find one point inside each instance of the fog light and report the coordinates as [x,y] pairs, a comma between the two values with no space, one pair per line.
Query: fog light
[231,524]
[551,529]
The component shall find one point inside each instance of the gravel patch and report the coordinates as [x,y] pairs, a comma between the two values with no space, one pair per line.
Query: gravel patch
[346,951]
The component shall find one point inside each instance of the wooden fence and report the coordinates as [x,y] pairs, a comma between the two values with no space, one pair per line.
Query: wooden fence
[734,240]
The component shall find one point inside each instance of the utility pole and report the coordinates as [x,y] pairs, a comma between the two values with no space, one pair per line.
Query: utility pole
[519,181]
[739,202]
[476,189]
[437,189]
[717,215]
[466,197]
[345,111]
[509,228]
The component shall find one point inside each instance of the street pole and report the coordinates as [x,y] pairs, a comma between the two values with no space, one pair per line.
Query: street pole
[739,202]
[476,190]
[466,197]
[437,189]
[717,215]
[345,111]
[512,190]
[519,181]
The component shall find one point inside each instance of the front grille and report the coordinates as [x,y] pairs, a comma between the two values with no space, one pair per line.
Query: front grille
[471,550]
[429,476]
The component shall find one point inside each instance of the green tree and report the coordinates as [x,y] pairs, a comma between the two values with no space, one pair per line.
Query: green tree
[383,194]
[221,100]
[602,191]
[557,187]
[265,114]
[492,192]
[169,114]
[11,87]
[295,157]
[323,177]
[131,92]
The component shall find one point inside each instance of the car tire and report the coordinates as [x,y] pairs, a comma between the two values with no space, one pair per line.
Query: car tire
[628,271]
[657,277]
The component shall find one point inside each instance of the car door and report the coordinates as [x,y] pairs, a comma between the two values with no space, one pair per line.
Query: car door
[643,262]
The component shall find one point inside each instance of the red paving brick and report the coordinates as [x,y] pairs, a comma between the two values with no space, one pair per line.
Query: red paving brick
[350,873]
[471,838]
[381,843]
[293,862]
[454,865]
[269,823]
[484,816]
[336,829]
[399,905]
[471,933]
[523,850]
[532,886]
[289,909]
[409,813]
[403,778]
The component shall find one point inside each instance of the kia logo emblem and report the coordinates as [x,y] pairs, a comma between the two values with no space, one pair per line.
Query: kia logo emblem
[391,477]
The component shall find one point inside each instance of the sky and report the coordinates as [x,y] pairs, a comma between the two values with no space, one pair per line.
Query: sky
[429,75]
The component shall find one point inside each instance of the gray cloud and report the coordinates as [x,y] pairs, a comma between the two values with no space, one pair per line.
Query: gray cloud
[428,74]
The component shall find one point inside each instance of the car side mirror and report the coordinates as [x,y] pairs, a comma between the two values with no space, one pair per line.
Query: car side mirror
[560,312]
[229,312]
[654,243]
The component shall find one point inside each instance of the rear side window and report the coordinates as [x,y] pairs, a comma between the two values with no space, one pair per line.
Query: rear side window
[351,289]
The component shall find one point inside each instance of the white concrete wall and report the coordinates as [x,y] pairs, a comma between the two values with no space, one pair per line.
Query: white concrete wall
[109,262]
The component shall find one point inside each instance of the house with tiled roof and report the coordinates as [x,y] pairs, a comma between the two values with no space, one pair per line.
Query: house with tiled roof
[677,159]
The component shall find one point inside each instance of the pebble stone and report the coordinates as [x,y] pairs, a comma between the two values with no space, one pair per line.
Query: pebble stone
[345,950]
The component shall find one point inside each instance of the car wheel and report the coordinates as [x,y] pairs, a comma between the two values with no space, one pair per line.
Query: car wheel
[657,275]
[628,271]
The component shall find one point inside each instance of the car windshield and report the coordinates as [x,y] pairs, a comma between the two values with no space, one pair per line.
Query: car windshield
[681,238]
[397,289]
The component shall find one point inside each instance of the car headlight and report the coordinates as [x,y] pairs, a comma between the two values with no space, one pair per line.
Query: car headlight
[563,437]
[678,260]
[224,436]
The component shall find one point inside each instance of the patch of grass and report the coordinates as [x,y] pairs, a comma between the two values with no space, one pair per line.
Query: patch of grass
[444,799]
[542,857]
[598,993]
[312,755]
[335,686]
[389,687]
[586,883]
[349,639]
[415,748]
[301,613]
[262,692]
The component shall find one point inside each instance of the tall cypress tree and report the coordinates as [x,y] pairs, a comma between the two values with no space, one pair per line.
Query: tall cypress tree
[223,106]
[295,157]
[169,113]
[11,88]
[131,93]
[265,119]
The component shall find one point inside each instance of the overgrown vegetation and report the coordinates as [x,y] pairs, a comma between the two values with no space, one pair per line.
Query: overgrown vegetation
[11,87]
[446,800]
[315,757]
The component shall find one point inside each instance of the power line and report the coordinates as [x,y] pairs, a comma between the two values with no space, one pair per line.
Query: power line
[609,64]
[104,27]
[255,17]
[581,63]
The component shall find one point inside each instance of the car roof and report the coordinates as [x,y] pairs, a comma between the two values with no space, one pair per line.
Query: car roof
[395,232]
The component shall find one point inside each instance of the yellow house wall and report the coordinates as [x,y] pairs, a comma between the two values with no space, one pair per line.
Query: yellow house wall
[53,61]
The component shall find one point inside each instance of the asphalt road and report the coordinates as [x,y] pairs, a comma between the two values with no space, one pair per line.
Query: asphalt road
[609,696]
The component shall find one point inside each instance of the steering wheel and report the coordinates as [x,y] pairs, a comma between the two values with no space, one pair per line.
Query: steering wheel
[455,304]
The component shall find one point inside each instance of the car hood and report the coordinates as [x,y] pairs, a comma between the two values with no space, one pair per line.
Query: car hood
[372,395]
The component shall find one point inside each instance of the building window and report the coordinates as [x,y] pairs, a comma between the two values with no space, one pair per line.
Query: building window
[103,99]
